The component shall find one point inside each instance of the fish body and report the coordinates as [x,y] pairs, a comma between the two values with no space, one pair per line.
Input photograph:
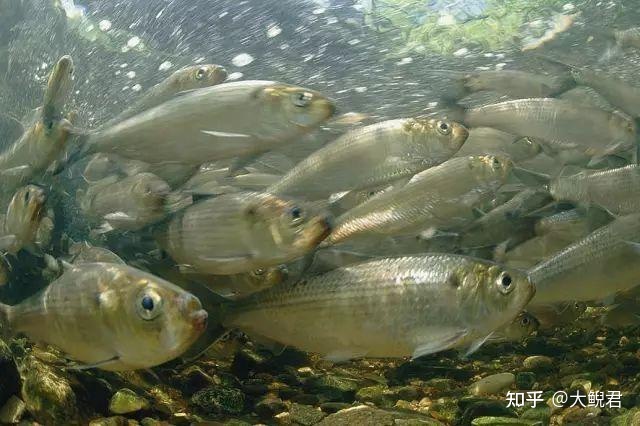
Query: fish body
[373,155]
[557,314]
[241,232]
[628,38]
[617,92]
[516,84]
[438,197]
[189,78]
[393,307]
[592,268]
[129,203]
[22,220]
[485,140]
[617,190]
[110,316]
[562,124]
[517,330]
[224,121]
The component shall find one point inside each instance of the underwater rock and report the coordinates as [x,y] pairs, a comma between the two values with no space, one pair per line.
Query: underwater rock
[192,377]
[12,411]
[113,421]
[10,382]
[47,393]
[305,415]
[333,407]
[542,414]
[472,407]
[332,387]
[269,406]
[538,363]
[492,384]
[218,400]
[505,421]
[360,415]
[127,401]
[632,417]
[525,380]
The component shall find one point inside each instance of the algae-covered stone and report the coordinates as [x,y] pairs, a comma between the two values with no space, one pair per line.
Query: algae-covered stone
[377,394]
[332,387]
[525,380]
[47,393]
[305,414]
[217,400]
[333,407]
[360,415]
[127,401]
[113,421]
[630,418]
[542,414]
[492,384]
[473,407]
[12,411]
[504,421]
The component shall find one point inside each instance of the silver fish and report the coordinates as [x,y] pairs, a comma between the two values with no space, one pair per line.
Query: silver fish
[523,326]
[617,92]
[228,120]
[110,316]
[128,204]
[185,79]
[438,197]
[594,267]
[371,156]
[485,140]
[241,232]
[561,124]
[392,307]
[22,220]
[516,84]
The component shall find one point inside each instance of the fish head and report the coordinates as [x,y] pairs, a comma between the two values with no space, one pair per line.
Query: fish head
[262,278]
[158,322]
[529,147]
[526,323]
[100,166]
[623,129]
[292,228]
[448,135]
[58,88]
[303,108]
[149,187]
[474,83]
[495,295]
[199,76]
[491,167]
[26,210]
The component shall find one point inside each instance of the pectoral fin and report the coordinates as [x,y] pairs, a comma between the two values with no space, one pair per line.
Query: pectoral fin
[98,364]
[475,345]
[440,343]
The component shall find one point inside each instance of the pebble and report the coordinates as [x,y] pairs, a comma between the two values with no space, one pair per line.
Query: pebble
[269,407]
[492,384]
[538,363]
[12,411]
[305,415]
[525,380]
[127,401]
[242,60]
[360,415]
[506,421]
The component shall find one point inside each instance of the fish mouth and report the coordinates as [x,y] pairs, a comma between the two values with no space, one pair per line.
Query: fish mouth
[199,320]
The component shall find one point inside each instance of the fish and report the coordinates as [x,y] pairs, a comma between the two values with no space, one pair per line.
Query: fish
[626,314]
[237,286]
[22,220]
[616,91]
[83,252]
[439,197]
[182,80]
[45,140]
[130,203]
[627,38]
[560,124]
[508,222]
[593,268]
[396,307]
[224,121]
[110,316]
[371,156]
[616,190]
[486,140]
[241,232]
[557,314]
[587,96]
[523,326]
[516,84]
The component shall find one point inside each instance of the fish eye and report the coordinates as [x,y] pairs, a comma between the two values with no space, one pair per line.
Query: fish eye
[258,272]
[201,73]
[301,99]
[525,321]
[495,163]
[297,215]
[443,127]
[505,283]
[149,305]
